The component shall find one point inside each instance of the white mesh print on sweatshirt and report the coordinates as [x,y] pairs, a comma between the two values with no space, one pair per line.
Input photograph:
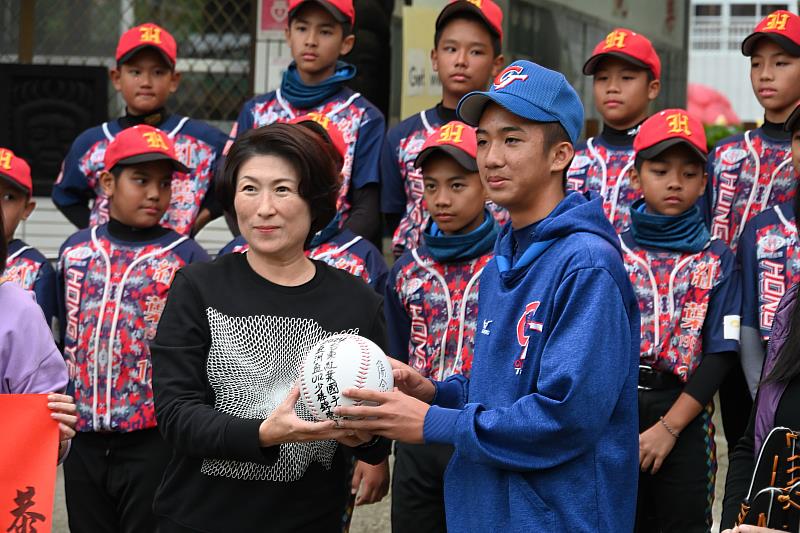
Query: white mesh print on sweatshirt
[252,364]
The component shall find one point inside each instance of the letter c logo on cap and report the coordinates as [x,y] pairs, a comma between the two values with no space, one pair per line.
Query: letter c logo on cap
[509,76]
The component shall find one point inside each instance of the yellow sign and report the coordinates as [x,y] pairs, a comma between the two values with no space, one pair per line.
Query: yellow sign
[421,87]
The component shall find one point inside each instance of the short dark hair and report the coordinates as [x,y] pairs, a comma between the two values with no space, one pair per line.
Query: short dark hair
[638,162]
[300,147]
[497,46]
[3,244]
[554,133]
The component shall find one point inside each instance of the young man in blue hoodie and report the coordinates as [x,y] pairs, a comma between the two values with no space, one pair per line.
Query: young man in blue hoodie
[687,285]
[545,430]
[431,307]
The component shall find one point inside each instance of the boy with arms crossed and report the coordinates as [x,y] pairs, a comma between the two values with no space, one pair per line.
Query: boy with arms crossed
[550,407]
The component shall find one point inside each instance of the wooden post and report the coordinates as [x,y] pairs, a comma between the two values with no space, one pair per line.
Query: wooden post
[27,12]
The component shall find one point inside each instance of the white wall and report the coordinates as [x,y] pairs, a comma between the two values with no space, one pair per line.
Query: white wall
[729,73]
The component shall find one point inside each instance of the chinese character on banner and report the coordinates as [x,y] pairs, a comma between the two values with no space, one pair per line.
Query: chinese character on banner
[28,454]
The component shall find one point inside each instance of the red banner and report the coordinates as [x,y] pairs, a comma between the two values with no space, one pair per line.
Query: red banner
[28,456]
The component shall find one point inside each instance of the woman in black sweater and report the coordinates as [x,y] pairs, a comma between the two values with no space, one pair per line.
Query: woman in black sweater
[247,456]
[777,405]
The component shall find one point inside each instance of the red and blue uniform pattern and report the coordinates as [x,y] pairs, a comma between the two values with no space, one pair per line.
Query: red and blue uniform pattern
[198,146]
[360,122]
[605,169]
[769,253]
[431,312]
[113,294]
[401,183]
[747,174]
[689,304]
[345,251]
[31,270]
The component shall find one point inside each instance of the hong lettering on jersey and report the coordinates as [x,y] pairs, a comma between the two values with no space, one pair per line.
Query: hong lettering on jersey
[607,173]
[740,194]
[110,320]
[435,310]
[674,297]
[778,259]
[526,326]
[188,190]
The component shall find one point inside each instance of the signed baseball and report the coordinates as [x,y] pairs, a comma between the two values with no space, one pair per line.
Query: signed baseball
[341,362]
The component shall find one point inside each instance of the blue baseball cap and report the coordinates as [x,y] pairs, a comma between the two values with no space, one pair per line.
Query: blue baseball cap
[529,91]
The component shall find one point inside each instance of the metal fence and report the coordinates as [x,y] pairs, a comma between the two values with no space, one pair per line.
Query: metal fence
[214,44]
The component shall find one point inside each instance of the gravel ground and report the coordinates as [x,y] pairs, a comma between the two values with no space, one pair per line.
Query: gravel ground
[375,518]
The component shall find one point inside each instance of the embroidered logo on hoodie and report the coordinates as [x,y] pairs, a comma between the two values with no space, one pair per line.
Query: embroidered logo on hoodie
[526,325]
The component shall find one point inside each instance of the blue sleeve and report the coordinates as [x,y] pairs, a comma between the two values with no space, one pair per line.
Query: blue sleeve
[398,323]
[751,341]
[72,186]
[720,331]
[451,393]
[244,122]
[574,397]
[367,154]
[393,193]
[61,311]
[378,271]
[746,255]
[706,202]
[197,254]
[45,289]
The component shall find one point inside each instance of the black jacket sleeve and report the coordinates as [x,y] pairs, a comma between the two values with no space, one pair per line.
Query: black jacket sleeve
[740,472]
[183,398]
[365,218]
[708,376]
[78,214]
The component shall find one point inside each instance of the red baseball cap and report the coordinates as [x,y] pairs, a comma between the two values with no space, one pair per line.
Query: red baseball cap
[342,10]
[15,169]
[781,26]
[141,144]
[323,125]
[627,45]
[457,140]
[147,35]
[487,10]
[668,128]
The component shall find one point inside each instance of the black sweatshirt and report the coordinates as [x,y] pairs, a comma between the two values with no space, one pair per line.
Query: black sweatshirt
[228,349]
[743,459]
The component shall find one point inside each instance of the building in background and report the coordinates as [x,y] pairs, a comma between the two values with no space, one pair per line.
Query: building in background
[716,31]
[560,34]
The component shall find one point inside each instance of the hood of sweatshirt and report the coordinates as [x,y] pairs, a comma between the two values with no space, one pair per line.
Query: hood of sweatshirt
[576,213]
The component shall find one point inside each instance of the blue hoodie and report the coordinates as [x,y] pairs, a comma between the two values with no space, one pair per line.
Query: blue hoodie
[546,429]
